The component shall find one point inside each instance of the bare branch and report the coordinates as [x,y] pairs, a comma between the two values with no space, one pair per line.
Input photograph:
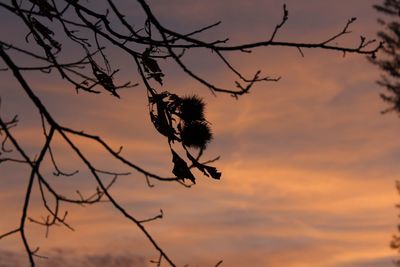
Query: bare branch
[10,233]
[89,32]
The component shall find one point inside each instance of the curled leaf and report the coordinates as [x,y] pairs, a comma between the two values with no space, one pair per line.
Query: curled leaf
[45,8]
[104,79]
[151,66]
[214,173]
[207,170]
[161,116]
[181,169]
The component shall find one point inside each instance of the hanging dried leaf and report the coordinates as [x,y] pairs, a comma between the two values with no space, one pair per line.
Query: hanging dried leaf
[207,170]
[46,33]
[157,76]
[213,172]
[161,116]
[181,169]
[45,8]
[151,66]
[104,79]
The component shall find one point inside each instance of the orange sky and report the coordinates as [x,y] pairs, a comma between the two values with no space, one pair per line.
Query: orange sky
[309,164]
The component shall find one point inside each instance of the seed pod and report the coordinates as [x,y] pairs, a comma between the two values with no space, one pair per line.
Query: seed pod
[192,108]
[196,134]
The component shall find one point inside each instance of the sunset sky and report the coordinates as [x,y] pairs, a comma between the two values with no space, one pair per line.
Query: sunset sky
[308,163]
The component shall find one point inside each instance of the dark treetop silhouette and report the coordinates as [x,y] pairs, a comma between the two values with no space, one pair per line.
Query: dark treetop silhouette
[390,66]
[390,63]
[180,119]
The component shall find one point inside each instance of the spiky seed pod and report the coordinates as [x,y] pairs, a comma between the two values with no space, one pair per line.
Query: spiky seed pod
[196,134]
[192,108]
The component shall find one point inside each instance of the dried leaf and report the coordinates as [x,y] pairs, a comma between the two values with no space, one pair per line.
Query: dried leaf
[213,172]
[181,169]
[157,77]
[45,8]
[207,170]
[104,79]
[162,120]
[151,66]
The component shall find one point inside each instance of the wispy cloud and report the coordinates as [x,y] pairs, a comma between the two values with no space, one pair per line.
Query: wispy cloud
[67,258]
[308,163]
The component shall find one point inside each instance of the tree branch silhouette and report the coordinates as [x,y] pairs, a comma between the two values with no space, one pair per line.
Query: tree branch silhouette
[390,79]
[180,119]
[389,62]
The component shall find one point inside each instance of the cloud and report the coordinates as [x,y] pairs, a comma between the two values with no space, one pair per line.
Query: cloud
[64,258]
[308,163]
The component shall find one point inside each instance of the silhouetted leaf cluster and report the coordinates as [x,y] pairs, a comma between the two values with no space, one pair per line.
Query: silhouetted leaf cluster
[390,63]
[181,119]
